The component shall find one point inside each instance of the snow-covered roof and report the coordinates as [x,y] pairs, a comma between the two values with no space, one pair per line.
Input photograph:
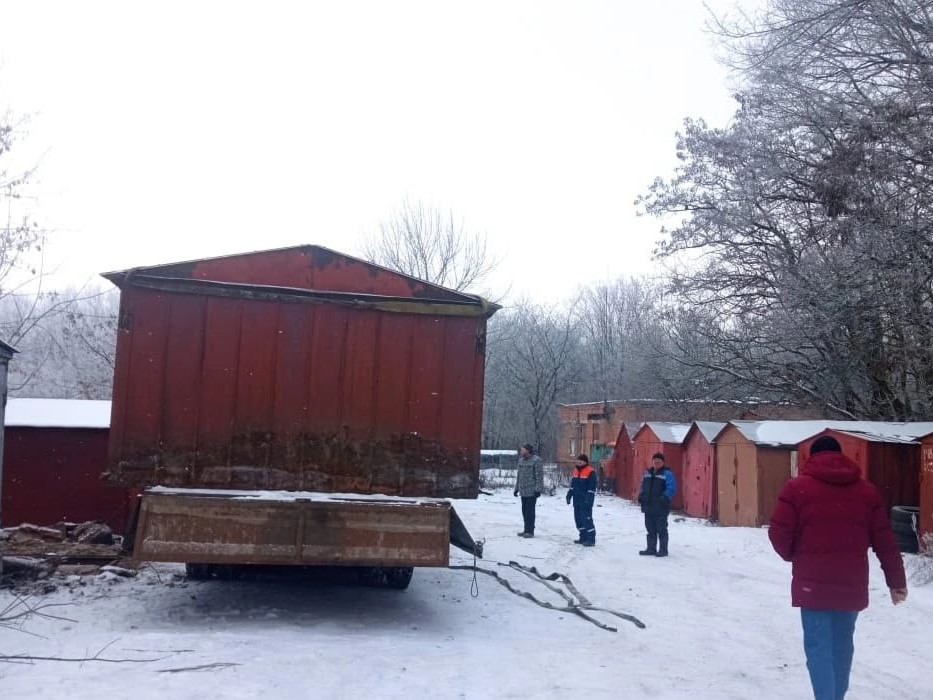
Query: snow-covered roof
[875,437]
[669,432]
[710,429]
[779,433]
[748,401]
[57,413]
[498,452]
[292,496]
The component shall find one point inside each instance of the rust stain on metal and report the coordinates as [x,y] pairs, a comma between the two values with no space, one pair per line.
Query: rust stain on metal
[247,389]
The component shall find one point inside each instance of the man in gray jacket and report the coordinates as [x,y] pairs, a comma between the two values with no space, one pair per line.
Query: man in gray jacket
[529,483]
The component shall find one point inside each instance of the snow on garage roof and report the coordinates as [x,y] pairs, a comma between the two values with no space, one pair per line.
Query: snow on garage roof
[667,431]
[57,413]
[710,429]
[792,432]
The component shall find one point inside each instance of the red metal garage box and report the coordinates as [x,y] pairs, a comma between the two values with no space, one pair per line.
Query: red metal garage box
[298,369]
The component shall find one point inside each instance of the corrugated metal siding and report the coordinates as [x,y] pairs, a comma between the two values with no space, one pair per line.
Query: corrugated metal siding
[247,393]
[926,486]
[700,485]
[645,444]
[53,474]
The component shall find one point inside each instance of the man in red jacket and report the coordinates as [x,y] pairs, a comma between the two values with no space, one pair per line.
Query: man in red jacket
[824,522]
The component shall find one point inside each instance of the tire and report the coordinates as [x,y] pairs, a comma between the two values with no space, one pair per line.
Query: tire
[399,577]
[388,577]
[908,544]
[905,514]
[903,523]
[199,572]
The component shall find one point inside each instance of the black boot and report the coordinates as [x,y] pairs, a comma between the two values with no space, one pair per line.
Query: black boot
[662,551]
[652,548]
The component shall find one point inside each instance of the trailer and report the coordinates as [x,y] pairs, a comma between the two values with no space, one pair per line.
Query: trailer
[296,407]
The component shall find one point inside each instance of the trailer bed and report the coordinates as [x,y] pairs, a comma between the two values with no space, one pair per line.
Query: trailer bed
[214,526]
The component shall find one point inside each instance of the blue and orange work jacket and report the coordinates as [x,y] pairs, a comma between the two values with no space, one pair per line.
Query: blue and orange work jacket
[583,487]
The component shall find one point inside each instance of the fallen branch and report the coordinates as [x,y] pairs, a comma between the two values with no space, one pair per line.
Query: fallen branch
[14,615]
[580,607]
[204,667]
[20,658]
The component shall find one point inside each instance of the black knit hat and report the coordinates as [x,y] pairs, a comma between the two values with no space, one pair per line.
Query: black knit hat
[529,447]
[825,444]
[583,458]
[658,455]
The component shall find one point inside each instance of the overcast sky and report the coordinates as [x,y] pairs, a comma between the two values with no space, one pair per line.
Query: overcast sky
[169,131]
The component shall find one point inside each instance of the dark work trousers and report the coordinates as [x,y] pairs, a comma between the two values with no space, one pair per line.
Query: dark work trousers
[583,516]
[528,513]
[656,525]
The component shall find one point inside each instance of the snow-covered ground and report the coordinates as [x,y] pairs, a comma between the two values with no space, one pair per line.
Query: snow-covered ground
[719,626]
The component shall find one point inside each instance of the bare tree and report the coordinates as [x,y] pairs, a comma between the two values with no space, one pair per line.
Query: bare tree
[536,358]
[805,224]
[70,347]
[433,246]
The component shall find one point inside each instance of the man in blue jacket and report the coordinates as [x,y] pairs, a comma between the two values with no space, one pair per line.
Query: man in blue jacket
[583,493]
[657,490]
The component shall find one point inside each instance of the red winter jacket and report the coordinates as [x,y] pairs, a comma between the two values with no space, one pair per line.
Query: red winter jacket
[824,522]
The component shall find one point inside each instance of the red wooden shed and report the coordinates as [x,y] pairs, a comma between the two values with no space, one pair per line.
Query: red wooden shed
[299,368]
[699,486]
[54,453]
[664,437]
[888,460]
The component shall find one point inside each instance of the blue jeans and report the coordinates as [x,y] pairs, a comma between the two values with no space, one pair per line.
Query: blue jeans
[827,641]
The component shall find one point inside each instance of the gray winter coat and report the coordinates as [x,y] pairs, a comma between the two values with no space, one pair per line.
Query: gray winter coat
[530,477]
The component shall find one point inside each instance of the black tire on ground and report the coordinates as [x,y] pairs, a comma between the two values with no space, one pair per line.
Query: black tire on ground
[905,514]
[399,577]
[386,577]
[199,572]
[907,543]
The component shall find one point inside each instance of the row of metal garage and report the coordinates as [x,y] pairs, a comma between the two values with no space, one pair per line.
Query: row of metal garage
[732,472]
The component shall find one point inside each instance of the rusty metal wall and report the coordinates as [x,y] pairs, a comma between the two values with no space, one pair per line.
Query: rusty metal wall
[620,463]
[699,487]
[305,267]
[213,391]
[926,486]
[53,474]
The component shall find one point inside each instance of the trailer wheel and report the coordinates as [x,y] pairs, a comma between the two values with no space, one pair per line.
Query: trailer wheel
[199,572]
[387,577]
[399,577]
